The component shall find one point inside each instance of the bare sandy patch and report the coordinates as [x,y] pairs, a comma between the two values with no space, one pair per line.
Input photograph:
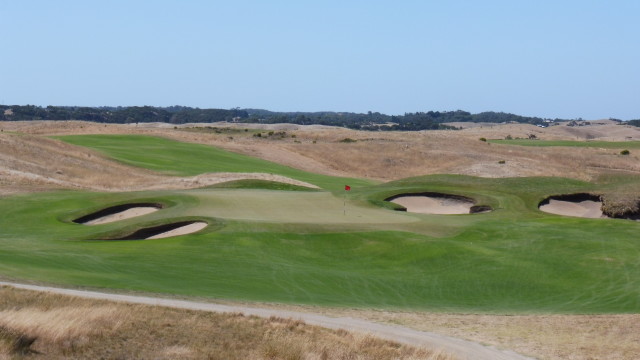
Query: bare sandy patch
[182,230]
[577,208]
[122,215]
[432,204]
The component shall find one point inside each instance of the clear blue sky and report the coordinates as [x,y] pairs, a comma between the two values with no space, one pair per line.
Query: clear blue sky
[560,58]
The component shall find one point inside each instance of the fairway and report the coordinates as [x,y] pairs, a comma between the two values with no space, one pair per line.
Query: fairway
[185,159]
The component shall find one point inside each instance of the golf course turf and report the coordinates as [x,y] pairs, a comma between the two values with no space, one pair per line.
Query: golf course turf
[292,246]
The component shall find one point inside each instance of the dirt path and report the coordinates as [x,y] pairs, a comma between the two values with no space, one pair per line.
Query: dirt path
[465,350]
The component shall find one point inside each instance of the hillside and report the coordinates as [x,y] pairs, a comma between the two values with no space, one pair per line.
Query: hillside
[31,161]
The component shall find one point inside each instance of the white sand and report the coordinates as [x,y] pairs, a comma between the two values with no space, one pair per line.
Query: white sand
[126,214]
[585,209]
[434,205]
[182,230]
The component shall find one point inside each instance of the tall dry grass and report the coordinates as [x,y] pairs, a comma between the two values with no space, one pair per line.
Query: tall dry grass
[32,162]
[40,325]
[544,337]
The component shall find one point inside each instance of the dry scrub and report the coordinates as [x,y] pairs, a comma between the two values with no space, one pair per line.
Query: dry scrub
[544,337]
[37,162]
[31,163]
[42,325]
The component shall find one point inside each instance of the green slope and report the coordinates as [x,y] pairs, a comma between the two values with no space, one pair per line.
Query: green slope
[299,247]
[186,159]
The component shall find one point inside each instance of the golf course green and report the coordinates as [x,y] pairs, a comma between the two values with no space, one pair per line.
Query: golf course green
[285,244]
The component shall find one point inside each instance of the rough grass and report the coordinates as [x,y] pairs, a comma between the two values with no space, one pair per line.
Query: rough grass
[542,336]
[571,143]
[40,325]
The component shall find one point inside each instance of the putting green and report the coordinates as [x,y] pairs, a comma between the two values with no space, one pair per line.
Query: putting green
[290,207]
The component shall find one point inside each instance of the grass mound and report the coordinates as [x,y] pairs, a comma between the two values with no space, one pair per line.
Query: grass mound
[621,205]
[260,184]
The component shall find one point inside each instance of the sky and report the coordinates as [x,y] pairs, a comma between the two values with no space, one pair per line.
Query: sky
[553,59]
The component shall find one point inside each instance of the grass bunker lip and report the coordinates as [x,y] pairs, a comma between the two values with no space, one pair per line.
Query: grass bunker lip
[165,230]
[95,217]
[447,204]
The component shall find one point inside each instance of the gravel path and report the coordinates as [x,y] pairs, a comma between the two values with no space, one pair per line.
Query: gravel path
[464,350]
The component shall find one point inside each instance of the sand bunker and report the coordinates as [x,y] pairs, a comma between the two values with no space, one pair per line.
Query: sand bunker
[434,203]
[577,205]
[167,230]
[117,213]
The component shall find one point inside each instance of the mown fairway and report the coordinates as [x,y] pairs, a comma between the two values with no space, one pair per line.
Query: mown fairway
[299,246]
[178,158]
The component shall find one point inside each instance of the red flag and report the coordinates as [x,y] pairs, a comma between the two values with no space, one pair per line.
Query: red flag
[347,187]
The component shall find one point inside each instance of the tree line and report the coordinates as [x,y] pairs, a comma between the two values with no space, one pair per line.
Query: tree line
[120,115]
[635,122]
[430,120]
[374,121]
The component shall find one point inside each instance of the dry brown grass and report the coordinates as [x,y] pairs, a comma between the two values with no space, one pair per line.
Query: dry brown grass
[44,163]
[571,337]
[36,163]
[30,163]
[545,337]
[42,325]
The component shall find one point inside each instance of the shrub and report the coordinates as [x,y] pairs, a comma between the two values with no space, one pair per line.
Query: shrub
[625,152]
[501,162]
[483,139]
[508,137]
[348,140]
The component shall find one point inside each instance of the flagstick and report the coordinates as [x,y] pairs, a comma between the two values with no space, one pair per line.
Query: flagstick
[344,203]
